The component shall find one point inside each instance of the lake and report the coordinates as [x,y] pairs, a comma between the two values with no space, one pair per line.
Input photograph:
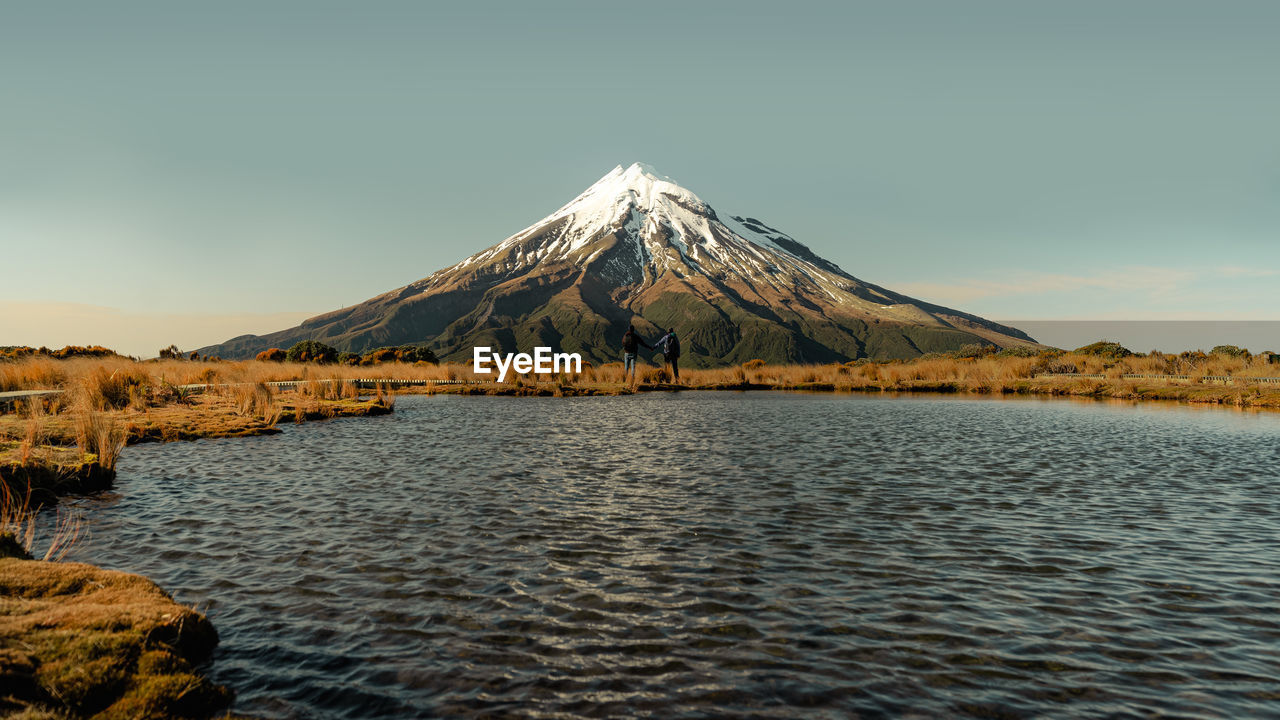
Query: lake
[737,555]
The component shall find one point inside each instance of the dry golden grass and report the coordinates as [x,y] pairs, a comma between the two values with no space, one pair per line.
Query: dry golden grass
[109,402]
[18,526]
[990,374]
[137,392]
[99,434]
[256,400]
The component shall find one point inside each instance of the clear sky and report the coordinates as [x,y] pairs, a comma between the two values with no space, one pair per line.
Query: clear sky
[174,172]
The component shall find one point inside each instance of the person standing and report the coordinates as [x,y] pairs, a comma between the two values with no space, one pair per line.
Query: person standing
[669,344]
[630,348]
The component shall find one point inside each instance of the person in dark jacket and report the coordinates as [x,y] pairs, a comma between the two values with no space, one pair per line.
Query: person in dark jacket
[669,344]
[631,343]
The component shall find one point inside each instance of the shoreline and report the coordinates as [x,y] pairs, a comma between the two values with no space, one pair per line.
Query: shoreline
[49,454]
[109,643]
[1252,396]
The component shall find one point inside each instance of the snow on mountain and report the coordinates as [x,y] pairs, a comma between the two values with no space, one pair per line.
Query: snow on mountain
[657,215]
[637,246]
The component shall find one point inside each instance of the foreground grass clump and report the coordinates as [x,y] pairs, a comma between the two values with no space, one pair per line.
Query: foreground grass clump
[79,641]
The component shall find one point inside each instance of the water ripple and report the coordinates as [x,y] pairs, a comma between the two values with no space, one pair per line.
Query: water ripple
[737,555]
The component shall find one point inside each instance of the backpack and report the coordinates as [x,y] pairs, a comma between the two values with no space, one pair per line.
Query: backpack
[673,346]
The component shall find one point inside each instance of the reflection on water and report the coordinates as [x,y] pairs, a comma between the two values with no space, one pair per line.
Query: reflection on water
[734,555]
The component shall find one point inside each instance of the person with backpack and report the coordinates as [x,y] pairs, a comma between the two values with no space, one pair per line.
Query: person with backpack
[630,348]
[669,344]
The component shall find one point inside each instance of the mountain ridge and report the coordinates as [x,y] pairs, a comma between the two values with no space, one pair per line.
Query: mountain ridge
[635,247]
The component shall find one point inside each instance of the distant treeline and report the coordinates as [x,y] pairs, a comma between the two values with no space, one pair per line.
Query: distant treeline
[14,352]
[1103,348]
[312,351]
[307,351]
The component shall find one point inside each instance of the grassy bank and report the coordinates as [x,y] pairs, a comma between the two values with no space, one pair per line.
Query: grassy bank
[69,442]
[149,402]
[78,641]
[1200,377]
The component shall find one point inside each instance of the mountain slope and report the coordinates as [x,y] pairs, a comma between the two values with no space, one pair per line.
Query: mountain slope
[637,248]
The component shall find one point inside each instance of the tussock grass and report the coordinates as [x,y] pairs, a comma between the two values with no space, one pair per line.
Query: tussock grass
[257,400]
[32,373]
[101,435]
[18,537]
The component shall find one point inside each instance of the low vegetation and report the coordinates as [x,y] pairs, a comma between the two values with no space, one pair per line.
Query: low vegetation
[78,641]
[14,352]
[153,401]
[69,442]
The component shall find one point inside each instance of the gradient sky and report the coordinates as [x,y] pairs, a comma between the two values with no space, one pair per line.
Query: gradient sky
[173,172]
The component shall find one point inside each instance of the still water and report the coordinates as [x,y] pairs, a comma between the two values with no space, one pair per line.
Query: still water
[725,554]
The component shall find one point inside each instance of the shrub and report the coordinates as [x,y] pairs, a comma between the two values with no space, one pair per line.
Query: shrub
[348,358]
[972,351]
[311,351]
[1060,367]
[379,356]
[1023,351]
[413,353]
[755,364]
[403,353]
[14,352]
[1230,351]
[70,351]
[1106,349]
[272,355]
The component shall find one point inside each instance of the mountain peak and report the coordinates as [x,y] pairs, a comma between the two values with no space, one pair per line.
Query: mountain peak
[645,170]
[637,177]
[637,247]
[638,185]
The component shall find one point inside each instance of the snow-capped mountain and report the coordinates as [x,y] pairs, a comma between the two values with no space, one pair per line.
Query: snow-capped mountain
[636,247]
